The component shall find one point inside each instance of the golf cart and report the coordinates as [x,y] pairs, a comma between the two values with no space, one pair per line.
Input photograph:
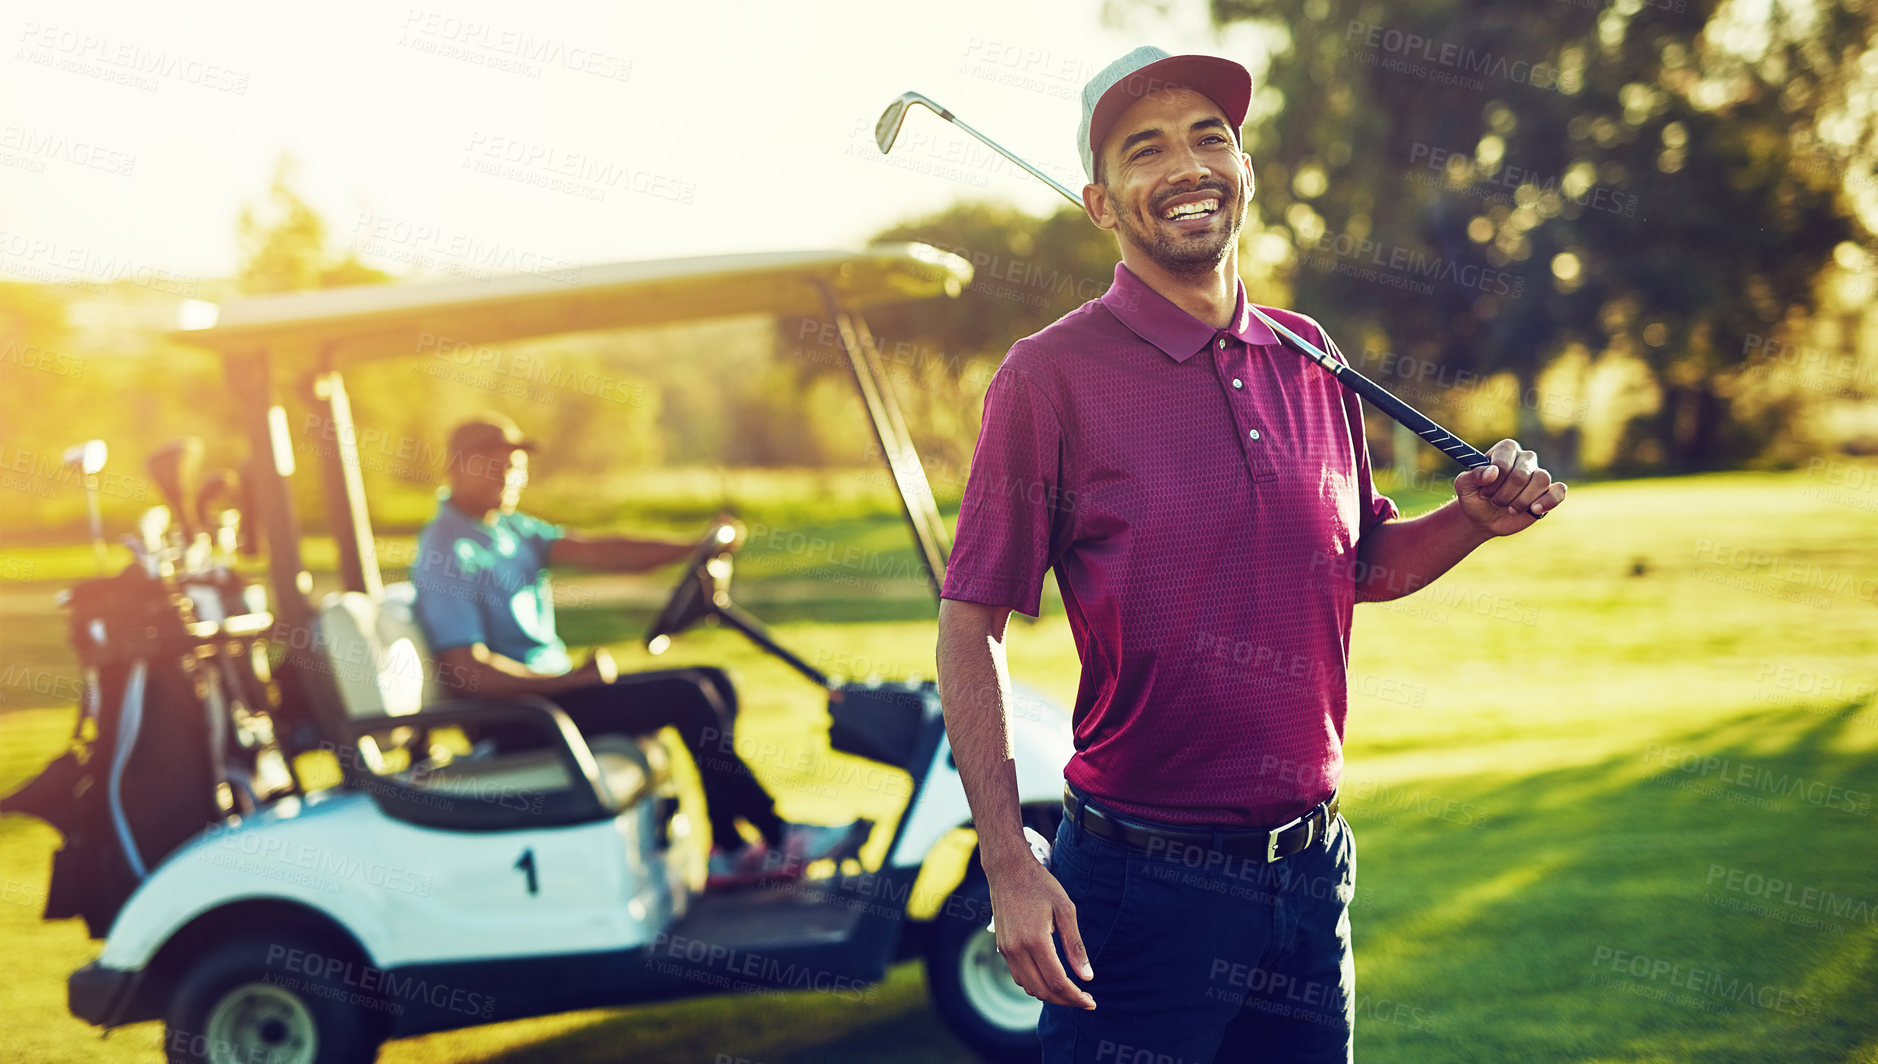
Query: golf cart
[435,887]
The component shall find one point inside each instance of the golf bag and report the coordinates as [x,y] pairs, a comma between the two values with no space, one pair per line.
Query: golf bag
[149,760]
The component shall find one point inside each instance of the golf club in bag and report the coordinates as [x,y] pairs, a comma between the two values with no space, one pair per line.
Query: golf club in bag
[888,128]
[172,731]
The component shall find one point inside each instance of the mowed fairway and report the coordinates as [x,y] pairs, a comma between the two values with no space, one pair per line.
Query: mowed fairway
[1575,766]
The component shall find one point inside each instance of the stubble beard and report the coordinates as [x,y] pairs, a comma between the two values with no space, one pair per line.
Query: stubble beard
[1187,255]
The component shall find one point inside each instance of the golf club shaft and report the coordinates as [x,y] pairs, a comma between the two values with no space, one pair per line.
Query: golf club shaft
[1008,154]
[1414,420]
[1463,453]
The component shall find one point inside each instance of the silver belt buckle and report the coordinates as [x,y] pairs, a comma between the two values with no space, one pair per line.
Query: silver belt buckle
[1271,841]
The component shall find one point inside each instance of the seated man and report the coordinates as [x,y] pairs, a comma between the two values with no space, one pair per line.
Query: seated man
[485,604]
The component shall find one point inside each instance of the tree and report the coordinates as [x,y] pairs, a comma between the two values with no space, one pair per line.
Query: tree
[1482,185]
[1027,272]
[283,247]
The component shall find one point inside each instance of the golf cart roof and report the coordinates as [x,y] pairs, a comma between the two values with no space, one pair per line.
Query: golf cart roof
[339,327]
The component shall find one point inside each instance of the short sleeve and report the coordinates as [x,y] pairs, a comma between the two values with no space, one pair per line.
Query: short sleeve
[1375,507]
[447,605]
[1015,514]
[538,534]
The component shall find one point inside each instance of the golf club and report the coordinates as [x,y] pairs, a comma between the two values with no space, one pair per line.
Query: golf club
[88,458]
[888,128]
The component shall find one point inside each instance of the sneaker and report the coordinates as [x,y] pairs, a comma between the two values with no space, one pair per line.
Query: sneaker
[800,846]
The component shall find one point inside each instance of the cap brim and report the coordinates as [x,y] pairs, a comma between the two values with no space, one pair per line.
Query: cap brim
[1223,81]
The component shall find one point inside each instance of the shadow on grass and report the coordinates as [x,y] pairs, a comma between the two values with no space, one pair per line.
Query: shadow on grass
[1520,937]
[806,1028]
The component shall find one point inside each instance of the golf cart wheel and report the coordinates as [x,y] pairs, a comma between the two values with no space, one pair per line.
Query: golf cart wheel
[971,988]
[241,1004]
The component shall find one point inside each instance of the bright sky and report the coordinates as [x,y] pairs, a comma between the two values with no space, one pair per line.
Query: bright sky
[465,135]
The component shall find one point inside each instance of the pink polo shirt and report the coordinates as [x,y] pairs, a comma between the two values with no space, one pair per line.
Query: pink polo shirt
[1200,493]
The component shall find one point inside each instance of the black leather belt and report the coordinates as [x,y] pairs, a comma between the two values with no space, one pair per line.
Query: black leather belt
[1273,845]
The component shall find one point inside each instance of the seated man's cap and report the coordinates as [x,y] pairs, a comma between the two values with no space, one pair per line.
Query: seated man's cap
[1149,69]
[488,431]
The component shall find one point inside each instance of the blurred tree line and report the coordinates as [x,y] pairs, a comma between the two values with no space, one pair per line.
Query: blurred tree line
[1635,234]
[84,360]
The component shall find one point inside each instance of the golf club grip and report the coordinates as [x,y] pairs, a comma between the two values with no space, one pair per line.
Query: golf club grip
[1414,420]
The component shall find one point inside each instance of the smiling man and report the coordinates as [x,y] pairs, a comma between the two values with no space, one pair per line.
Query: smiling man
[1204,497]
[486,607]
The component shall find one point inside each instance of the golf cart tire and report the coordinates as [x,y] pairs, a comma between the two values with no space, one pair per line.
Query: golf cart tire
[949,951]
[291,1002]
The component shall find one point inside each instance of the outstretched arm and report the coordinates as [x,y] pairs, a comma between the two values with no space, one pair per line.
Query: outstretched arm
[616,553]
[1498,499]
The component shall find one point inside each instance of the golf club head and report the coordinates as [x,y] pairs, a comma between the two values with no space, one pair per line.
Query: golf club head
[88,456]
[888,128]
[175,467]
[154,527]
[217,509]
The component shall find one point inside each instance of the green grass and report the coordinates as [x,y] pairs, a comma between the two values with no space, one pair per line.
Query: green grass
[1519,822]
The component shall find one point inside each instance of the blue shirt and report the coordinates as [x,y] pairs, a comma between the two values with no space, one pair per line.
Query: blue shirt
[488,584]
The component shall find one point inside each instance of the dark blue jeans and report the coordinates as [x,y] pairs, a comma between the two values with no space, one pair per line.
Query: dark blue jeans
[1201,957]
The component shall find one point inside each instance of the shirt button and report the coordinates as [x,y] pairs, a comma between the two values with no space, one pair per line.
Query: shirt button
[1237,383]
[1222,343]
[1254,434]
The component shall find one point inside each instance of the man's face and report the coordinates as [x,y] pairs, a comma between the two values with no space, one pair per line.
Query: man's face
[1173,153]
[490,480]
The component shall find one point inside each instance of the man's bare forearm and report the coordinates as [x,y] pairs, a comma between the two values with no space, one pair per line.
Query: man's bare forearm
[617,553]
[1399,557]
[974,687]
[481,672]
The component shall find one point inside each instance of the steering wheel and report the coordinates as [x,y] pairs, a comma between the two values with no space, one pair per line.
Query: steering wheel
[699,585]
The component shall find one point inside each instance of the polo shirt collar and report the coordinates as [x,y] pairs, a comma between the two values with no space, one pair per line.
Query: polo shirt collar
[1156,319]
